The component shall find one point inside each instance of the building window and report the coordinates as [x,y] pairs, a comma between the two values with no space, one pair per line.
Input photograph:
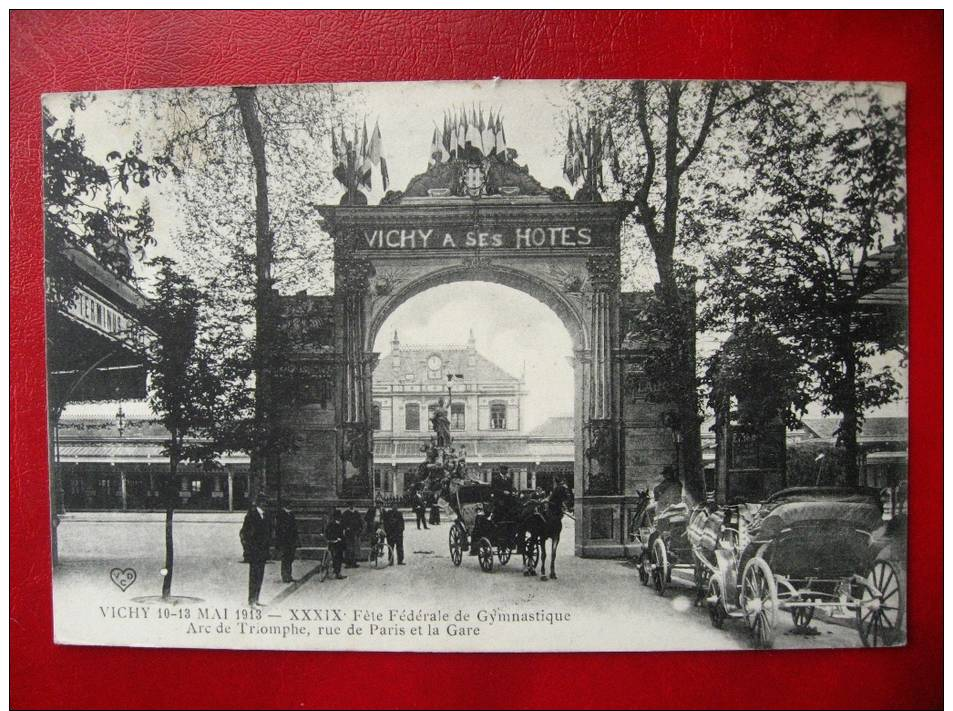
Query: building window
[458,416]
[497,416]
[375,416]
[430,411]
[412,417]
[197,485]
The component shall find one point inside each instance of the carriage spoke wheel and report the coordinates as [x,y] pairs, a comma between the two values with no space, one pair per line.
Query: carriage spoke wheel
[485,554]
[530,553]
[759,600]
[644,569]
[660,569]
[456,544]
[879,616]
[716,604]
[326,566]
[802,617]
[504,553]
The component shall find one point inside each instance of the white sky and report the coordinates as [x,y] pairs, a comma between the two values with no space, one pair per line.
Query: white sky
[511,328]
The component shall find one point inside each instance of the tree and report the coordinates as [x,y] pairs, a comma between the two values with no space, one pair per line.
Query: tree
[829,186]
[189,383]
[87,204]
[256,148]
[680,144]
[765,378]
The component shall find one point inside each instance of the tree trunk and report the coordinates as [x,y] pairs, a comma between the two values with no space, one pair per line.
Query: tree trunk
[849,427]
[680,303]
[171,493]
[264,247]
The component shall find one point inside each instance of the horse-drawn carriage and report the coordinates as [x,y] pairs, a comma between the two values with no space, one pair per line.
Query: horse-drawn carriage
[486,523]
[801,551]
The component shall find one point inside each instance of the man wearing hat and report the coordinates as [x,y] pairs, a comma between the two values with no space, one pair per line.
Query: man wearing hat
[353,526]
[256,537]
[334,533]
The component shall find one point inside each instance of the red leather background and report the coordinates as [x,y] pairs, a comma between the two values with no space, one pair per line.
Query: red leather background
[72,50]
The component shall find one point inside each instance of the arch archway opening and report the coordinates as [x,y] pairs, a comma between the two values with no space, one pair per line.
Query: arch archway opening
[501,357]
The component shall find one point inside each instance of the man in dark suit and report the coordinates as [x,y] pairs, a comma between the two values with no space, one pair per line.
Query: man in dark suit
[256,536]
[420,508]
[394,528]
[353,525]
[286,540]
[434,508]
[334,533]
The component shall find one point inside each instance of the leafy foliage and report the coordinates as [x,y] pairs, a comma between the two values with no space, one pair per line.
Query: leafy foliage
[759,373]
[829,187]
[678,143]
[88,207]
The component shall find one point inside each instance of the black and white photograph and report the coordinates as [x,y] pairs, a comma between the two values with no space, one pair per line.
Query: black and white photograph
[478,366]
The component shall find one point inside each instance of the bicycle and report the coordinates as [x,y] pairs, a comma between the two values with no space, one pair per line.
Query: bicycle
[378,545]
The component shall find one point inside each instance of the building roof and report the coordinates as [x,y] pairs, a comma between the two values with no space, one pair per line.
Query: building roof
[563,427]
[874,428]
[455,359]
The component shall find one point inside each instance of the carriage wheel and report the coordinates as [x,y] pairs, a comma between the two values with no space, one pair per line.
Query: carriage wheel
[759,600]
[485,554]
[504,553]
[880,617]
[716,604]
[456,544]
[644,568]
[530,553]
[660,569]
[326,565]
[802,617]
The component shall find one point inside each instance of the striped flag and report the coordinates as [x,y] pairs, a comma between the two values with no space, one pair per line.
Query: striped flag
[489,137]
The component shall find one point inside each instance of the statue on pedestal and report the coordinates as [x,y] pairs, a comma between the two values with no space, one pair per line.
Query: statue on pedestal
[441,424]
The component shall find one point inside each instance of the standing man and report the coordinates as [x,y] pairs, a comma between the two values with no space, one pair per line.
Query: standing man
[334,533]
[256,537]
[434,508]
[353,526]
[420,508]
[286,540]
[669,492]
[394,528]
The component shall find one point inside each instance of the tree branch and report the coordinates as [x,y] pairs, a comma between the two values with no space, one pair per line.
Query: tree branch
[705,129]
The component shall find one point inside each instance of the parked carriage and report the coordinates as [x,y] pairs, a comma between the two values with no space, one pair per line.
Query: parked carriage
[481,518]
[665,548]
[801,551]
[805,550]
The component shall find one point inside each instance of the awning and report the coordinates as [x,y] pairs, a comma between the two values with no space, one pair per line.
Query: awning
[128,452]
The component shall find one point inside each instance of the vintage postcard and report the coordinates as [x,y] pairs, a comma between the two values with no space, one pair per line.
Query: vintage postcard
[478,366]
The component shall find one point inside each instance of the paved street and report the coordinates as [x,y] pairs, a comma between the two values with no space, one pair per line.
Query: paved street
[610,608]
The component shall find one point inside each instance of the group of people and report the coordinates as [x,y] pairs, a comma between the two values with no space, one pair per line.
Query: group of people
[256,539]
[422,501]
[261,531]
[344,530]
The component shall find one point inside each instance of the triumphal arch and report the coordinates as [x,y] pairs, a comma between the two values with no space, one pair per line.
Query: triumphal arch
[489,221]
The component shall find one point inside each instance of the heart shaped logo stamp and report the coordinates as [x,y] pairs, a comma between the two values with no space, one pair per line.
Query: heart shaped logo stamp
[122,578]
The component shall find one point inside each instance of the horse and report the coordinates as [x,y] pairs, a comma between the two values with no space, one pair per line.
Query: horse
[538,523]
